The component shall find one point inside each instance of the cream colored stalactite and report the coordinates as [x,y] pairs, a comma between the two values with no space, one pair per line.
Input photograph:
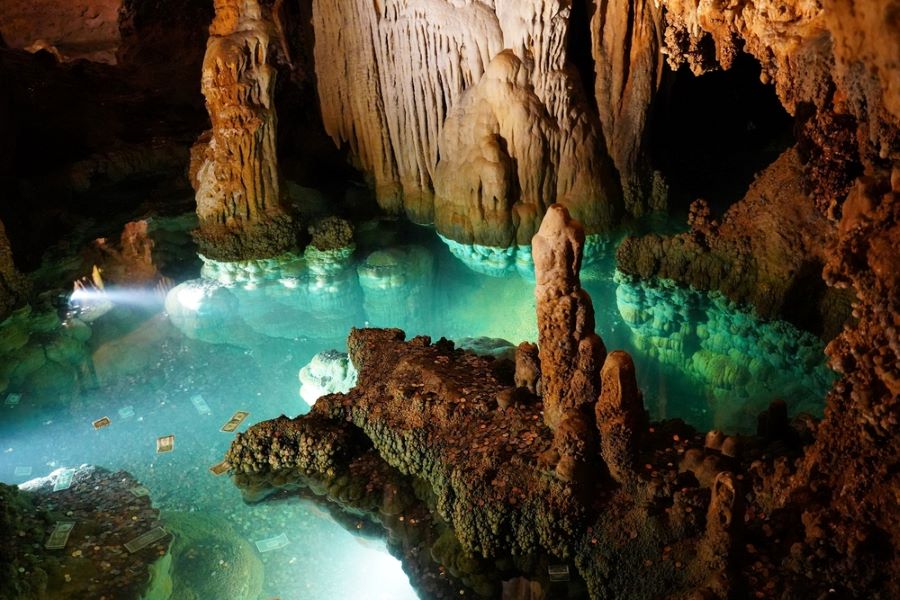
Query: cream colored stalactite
[388,74]
[349,89]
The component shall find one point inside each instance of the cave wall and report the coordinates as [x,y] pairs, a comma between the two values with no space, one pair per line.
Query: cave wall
[458,110]
[72,28]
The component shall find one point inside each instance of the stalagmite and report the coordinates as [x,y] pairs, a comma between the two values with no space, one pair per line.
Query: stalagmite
[620,414]
[239,198]
[571,353]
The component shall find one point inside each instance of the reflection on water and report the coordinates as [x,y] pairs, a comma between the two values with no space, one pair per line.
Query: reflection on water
[239,337]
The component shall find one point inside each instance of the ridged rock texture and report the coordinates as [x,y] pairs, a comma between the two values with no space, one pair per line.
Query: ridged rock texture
[571,353]
[627,36]
[466,113]
[235,166]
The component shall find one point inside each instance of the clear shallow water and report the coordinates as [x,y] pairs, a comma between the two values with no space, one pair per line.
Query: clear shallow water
[241,345]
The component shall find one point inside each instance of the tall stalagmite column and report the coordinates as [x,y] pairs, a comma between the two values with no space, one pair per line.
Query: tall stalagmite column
[571,353]
[237,181]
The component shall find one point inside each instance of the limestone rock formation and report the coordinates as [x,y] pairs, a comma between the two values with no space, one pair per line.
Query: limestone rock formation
[528,367]
[571,353]
[767,251]
[858,443]
[620,415]
[626,44]
[458,107]
[239,198]
[69,28]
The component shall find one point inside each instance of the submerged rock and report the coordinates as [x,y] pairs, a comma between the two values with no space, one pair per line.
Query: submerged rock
[397,286]
[328,372]
[210,559]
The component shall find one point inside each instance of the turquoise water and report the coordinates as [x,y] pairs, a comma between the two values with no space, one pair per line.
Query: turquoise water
[239,338]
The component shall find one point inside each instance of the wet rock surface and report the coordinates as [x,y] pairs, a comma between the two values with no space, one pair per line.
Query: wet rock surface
[109,510]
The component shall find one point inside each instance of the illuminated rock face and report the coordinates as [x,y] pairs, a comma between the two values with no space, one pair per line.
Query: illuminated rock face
[235,167]
[461,108]
[571,354]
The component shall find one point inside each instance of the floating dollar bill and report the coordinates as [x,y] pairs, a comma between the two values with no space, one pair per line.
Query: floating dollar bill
[102,422]
[273,543]
[220,468]
[235,421]
[145,539]
[558,572]
[165,443]
[140,491]
[12,399]
[126,412]
[23,471]
[64,480]
[201,405]
[59,537]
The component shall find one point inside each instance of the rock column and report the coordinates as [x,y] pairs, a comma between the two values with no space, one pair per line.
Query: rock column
[571,353]
[235,167]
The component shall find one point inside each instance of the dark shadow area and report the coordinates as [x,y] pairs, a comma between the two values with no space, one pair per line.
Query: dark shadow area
[711,134]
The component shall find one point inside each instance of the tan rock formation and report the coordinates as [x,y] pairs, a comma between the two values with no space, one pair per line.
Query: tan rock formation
[239,198]
[836,55]
[627,39]
[401,83]
[571,353]
[767,251]
[620,414]
[68,28]
[528,367]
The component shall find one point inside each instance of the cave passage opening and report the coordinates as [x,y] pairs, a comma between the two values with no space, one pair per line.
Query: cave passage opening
[713,133]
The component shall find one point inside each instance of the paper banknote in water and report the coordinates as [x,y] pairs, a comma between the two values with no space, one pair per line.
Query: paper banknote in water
[12,399]
[272,543]
[219,468]
[201,405]
[22,471]
[145,539]
[60,535]
[126,412]
[64,480]
[102,422]
[165,443]
[140,491]
[235,421]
